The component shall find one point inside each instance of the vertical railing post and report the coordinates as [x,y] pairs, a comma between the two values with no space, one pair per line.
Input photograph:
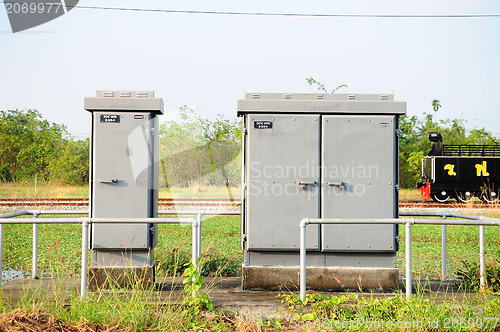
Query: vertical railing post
[85,236]
[194,254]
[34,272]
[194,239]
[302,276]
[482,260]
[408,259]
[199,216]
[1,253]
[444,271]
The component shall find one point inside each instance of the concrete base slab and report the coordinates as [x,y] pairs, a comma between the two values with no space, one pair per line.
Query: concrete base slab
[320,278]
[120,277]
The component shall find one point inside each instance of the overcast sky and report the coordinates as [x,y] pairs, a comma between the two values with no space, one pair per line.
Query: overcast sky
[210,61]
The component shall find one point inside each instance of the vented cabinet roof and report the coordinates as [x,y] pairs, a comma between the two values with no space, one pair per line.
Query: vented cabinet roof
[124,101]
[327,103]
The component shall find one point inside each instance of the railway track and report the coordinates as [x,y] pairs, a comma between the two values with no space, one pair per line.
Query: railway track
[217,202]
[34,202]
[447,205]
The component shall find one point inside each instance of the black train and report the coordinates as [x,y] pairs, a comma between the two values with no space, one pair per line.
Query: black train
[460,171]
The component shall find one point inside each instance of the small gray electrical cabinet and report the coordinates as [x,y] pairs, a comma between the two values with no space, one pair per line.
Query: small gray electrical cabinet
[123,175]
[318,156]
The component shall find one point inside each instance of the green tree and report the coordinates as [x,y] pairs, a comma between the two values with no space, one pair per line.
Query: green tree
[195,150]
[72,164]
[436,105]
[30,145]
[27,144]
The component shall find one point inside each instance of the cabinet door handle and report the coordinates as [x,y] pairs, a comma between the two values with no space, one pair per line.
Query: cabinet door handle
[108,181]
[307,183]
[342,185]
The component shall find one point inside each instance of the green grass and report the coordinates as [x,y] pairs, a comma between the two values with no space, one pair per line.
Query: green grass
[425,312]
[462,245]
[137,309]
[59,257]
[221,249]
[43,190]
[61,245]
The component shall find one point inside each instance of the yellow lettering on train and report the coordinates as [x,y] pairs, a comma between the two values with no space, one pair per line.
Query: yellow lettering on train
[481,169]
[451,169]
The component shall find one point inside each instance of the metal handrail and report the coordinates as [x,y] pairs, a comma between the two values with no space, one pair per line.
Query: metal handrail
[443,215]
[85,222]
[35,213]
[467,220]
[472,220]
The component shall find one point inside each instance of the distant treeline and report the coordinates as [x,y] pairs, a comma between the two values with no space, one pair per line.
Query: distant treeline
[193,150]
[32,146]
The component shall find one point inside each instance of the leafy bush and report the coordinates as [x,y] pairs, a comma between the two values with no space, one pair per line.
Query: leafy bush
[469,275]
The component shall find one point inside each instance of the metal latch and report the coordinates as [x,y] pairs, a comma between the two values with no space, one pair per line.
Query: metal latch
[342,185]
[110,181]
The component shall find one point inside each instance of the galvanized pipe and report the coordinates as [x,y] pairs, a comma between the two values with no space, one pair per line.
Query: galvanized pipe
[15,214]
[195,228]
[161,212]
[408,259]
[63,212]
[199,218]
[194,247]
[86,212]
[34,272]
[443,251]
[85,236]
[99,221]
[472,222]
[482,261]
[303,275]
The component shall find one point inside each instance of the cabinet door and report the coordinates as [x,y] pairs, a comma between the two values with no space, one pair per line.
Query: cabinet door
[122,155]
[282,177]
[359,167]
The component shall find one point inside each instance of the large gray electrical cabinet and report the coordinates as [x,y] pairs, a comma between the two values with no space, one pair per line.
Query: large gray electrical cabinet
[319,156]
[123,175]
